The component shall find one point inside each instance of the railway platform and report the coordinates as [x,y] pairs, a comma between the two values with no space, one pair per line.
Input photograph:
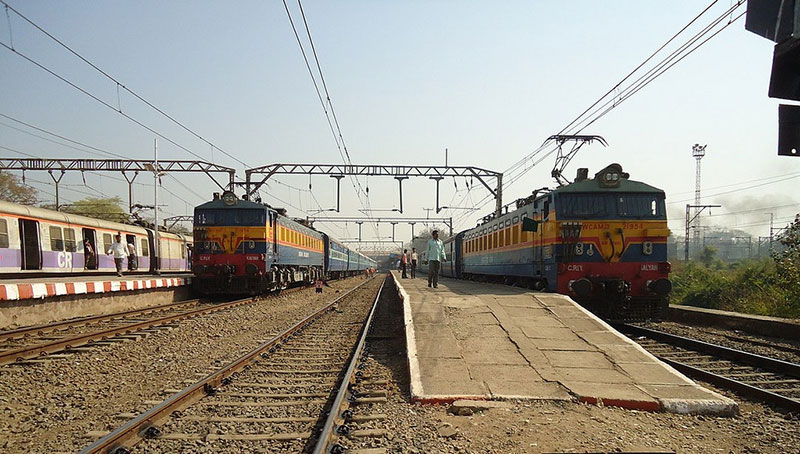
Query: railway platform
[468,340]
[36,300]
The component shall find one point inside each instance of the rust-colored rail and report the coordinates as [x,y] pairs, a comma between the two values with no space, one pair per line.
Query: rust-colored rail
[337,417]
[147,424]
[36,350]
[789,373]
[42,329]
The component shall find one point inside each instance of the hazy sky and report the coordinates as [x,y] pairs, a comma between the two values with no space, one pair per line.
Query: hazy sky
[487,80]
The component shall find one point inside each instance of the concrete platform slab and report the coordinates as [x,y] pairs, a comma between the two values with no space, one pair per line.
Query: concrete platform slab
[568,344]
[582,359]
[624,395]
[484,341]
[599,376]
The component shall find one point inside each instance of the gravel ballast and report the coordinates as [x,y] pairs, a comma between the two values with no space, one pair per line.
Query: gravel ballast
[537,427]
[50,406]
[733,339]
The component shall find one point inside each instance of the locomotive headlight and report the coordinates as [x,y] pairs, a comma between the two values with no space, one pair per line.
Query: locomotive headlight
[647,248]
[610,179]
[229,198]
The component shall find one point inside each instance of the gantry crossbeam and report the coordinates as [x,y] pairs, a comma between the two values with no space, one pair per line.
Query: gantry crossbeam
[134,166]
[398,172]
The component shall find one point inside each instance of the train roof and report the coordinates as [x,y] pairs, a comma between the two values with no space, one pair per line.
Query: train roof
[68,218]
[240,204]
[610,179]
[594,185]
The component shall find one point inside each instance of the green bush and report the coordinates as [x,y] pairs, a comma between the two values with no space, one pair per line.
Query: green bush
[753,287]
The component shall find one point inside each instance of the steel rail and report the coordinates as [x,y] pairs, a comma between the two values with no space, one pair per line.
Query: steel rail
[33,351]
[336,421]
[46,328]
[146,424]
[751,359]
[735,385]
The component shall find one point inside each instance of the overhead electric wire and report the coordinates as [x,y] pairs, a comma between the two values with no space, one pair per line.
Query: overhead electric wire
[338,138]
[37,128]
[582,121]
[739,183]
[322,79]
[118,109]
[705,196]
[104,103]
[738,212]
[123,86]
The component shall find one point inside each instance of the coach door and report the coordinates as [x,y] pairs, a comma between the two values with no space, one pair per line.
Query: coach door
[29,240]
[90,253]
[155,254]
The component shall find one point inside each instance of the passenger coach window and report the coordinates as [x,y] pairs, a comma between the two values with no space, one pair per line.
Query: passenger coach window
[3,233]
[69,240]
[56,239]
[145,247]
[106,241]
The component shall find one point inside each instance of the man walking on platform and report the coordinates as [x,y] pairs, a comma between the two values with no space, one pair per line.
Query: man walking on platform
[435,256]
[404,263]
[414,262]
[119,251]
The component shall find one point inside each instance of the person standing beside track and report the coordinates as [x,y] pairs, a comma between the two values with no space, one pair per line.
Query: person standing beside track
[435,255]
[404,263]
[119,251]
[414,261]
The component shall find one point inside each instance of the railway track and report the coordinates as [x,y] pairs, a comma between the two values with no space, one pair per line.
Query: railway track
[292,393]
[755,376]
[71,336]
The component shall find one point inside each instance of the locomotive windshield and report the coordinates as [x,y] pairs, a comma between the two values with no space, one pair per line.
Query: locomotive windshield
[640,206]
[582,206]
[230,217]
[611,205]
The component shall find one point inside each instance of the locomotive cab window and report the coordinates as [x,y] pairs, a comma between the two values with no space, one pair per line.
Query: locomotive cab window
[3,233]
[581,206]
[641,206]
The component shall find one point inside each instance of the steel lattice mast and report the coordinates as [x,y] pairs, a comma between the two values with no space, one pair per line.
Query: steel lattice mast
[698,151]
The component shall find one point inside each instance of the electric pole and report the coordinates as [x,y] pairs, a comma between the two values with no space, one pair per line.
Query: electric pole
[697,210]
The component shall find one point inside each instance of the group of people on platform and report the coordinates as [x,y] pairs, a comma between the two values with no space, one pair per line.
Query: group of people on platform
[434,256]
[119,250]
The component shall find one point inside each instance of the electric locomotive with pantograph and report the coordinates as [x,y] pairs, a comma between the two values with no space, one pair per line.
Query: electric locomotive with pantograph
[601,240]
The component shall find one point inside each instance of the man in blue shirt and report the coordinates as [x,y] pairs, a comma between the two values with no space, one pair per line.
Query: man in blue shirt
[435,256]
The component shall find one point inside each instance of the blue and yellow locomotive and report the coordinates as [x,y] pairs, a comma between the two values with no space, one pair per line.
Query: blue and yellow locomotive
[244,247]
[603,241]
